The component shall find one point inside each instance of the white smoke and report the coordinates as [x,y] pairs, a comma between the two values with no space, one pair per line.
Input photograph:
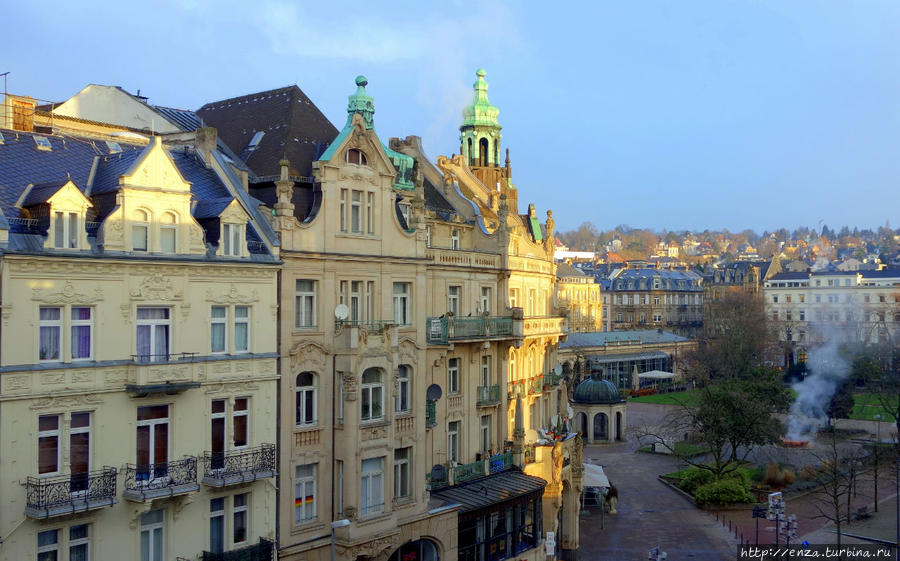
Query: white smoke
[827,370]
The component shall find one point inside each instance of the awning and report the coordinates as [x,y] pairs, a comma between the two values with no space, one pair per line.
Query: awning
[491,490]
[623,357]
[656,375]
[594,476]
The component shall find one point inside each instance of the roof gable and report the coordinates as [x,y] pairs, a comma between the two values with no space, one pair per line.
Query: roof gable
[112,104]
[154,168]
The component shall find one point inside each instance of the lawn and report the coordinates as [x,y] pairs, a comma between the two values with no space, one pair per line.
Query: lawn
[688,397]
[867,405]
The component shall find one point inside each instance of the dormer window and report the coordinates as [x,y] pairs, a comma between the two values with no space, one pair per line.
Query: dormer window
[454,239]
[356,156]
[140,231]
[232,238]
[65,230]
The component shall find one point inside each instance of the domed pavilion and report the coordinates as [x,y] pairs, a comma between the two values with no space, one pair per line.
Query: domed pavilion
[599,410]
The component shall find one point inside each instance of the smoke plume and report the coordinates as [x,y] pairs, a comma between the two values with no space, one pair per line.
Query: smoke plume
[827,369]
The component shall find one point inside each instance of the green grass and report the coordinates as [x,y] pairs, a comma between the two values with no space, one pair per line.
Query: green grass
[684,448]
[689,397]
[867,405]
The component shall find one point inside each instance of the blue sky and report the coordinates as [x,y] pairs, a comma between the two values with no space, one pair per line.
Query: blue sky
[676,115]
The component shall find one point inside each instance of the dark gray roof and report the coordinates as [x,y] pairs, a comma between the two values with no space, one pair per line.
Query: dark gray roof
[620,357]
[565,270]
[882,274]
[182,118]
[437,202]
[595,391]
[804,275]
[494,489]
[601,338]
[41,192]
[211,208]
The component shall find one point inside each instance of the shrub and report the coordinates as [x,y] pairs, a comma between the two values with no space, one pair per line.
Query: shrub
[789,476]
[773,475]
[808,472]
[694,478]
[724,492]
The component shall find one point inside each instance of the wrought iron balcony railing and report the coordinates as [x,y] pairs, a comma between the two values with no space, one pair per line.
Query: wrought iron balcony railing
[262,551]
[232,467]
[67,494]
[164,479]
[501,462]
[446,329]
[467,472]
[551,380]
[536,384]
[488,395]
[430,414]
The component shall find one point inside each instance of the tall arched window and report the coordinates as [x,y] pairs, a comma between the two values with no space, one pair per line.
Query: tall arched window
[471,154]
[306,399]
[483,150]
[401,399]
[168,232]
[140,231]
[496,152]
[512,364]
[372,395]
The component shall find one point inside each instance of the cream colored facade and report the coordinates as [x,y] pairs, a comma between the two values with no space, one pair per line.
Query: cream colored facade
[133,418]
[580,297]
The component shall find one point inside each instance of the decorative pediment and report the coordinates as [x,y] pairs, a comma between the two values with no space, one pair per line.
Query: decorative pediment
[68,295]
[155,168]
[66,401]
[69,198]
[233,214]
[233,296]
[157,287]
[307,356]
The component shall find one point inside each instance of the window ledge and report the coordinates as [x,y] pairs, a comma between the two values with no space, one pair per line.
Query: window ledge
[375,423]
[307,428]
[308,526]
[358,236]
[373,518]
[403,414]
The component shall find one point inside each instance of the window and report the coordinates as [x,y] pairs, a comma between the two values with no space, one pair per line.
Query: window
[513,297]
[401,400]
[66,230]
[356,211]
[304,493]
[427,236]
[485,300]
[241,421]
[485,433]
[217,430]
[401,473]
[657,318]
[48,545]
[355,300]
[370,213]
[656,300]
[241,329]
[167,233]
[372,390]
[802,315]
[454,239]
[218,328]
[305,312]
[48,444]
[356,156]
[372,486]
[232,239]
[453,441]
[153,334]
[152,538]
[82,328]
[532,301]
[217,525]
[152,442]
[486,370]
[50,328]
[453,375]
[343,210]
[241,520]
[306,399]
[79,542]
[402,312]
[453,305]
[140,231]
[340,487]
[370,300]
[79,451]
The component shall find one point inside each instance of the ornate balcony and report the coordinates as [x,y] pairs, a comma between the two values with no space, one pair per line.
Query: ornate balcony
[536,385]
[445,330]
[165,479]
[546,325]
[221,469]
[46,497]
[468,472]
[501,462]
[551,380]
[488,395]
[261,551]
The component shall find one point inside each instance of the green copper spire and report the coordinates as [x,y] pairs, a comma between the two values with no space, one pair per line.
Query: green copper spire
[362,103]
[481,112]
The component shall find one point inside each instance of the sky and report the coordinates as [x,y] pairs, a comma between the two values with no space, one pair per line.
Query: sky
[756,114]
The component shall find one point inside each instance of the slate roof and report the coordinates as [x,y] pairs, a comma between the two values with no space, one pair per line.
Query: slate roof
[437,202]
[565,270]
[882,274]
[601,338]
[294,129]
[494,489]
[41,192]
[791,275]
[184,119]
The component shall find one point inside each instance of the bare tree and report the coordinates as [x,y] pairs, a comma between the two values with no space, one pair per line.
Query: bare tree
[835,477]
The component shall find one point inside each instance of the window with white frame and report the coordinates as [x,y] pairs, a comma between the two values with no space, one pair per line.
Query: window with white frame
[152,442]
[80,542]
[48,444]
[372,395]
[454,239]
[217,525]
[153,535]
[140,231]
[370,301]
[513,297]
[79,451]
[485,433]
[485,307]
[168,232]
[153,334]
[453,300]
[453,441]
[372,486]
[240,422]
[486,370]
[66,230]
[532,301]
[401,399]
[355,300]
[306,399]
[453,375]
[357,156]
[370,213]
[240,528]
[50,331]
[402,457]
[48,545]
[51,548]
[356,219]
[305,304]
[343,210]
[402,303]
[232,242]
[239,319]
[241,329]
[82,328]
[218,328]
[218,419]
[304,493]
[427,236]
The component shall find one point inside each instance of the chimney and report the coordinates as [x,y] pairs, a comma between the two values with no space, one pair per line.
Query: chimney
[205,141]
[17,113]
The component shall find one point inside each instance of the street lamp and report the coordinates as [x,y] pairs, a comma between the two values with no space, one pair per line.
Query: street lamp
[342,523]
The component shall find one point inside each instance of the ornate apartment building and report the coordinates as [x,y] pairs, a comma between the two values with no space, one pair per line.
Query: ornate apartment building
[670,299]
[138,358]
[581,298]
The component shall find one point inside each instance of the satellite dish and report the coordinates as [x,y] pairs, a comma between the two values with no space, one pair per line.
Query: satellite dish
[438,472]
[341,312]
[557,369]
[531,436]
[434,392]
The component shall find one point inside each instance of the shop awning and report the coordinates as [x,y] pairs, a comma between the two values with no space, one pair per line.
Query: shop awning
[491,490]
[656,375]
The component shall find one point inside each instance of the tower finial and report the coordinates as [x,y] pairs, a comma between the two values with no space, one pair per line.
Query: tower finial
[361,102]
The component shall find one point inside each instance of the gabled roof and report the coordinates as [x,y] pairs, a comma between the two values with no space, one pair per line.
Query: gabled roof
[41,192]
[184,119]
[292,127]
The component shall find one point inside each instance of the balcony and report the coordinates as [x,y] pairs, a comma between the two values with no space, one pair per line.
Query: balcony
[547,325]
[430,414]
[501,462]
[445,330]
[551,380]
[165,479]
[468,472]
[262,551]
[488,395]
[221,469]
[46,497]
[535,385]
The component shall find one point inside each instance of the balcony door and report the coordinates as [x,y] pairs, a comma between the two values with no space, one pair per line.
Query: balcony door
[80,451]
[153,442]
[218,434]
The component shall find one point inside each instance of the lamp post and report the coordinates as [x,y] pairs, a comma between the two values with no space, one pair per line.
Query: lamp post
[877,452]
[342,523]
[758,512]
